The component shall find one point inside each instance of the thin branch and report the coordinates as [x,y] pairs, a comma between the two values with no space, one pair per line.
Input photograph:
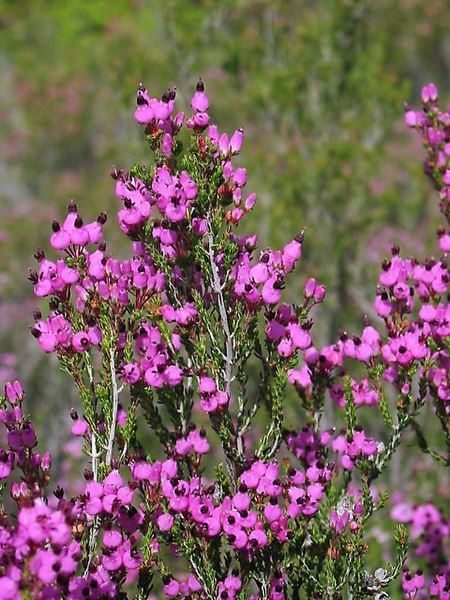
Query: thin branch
[223,315]
[93,533]
[115,407]
[94,453]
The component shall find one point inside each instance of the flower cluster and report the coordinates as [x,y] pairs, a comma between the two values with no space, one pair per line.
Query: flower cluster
[263,282]
[430,533]
[259,514]
[38,550]
[356,446]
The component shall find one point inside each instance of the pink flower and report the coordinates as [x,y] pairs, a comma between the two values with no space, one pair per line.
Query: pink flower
[236,141]
[6,463]
[171,588]
[206,385]
[173,375]
[165,522]
[80,341]
[271,292]
[199,101]
[9,589]
[301,377]
[79,427]
[291,253]
[14,392]
[429,93]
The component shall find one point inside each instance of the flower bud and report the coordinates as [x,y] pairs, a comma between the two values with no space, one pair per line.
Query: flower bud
[14,392]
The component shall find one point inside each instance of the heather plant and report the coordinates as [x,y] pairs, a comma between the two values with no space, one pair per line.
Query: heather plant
[199,485]
[326,83]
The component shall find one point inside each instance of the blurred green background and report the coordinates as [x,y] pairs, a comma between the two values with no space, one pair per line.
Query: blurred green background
[318,85]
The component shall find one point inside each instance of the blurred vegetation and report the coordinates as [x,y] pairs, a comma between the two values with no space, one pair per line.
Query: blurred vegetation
[318,85]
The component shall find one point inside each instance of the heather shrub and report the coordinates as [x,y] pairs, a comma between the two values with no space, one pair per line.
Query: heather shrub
[326,83]
[202,480]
